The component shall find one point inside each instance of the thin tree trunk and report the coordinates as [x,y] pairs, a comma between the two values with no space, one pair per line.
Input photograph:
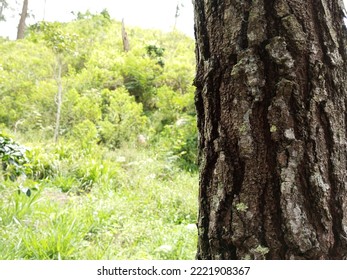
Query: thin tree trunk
[59,100]
[125,39]
[23,16]
[177,14]
[271,104]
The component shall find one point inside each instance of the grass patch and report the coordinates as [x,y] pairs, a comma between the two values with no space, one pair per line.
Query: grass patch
[123,204]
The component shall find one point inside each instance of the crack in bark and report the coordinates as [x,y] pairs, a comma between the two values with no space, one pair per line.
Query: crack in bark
[201,35]
[271,121]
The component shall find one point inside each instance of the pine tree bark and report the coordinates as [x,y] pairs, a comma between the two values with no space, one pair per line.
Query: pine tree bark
[271,105]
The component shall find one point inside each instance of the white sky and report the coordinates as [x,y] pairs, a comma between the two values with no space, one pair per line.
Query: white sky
[159,14]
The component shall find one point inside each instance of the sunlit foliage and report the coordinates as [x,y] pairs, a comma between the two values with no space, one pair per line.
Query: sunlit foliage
[121,181]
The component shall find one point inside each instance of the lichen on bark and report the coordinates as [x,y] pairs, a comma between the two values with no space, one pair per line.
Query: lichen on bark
[271,103]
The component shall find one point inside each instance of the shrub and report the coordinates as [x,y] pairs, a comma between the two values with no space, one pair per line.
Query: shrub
[123,118]
[179,141]
[13,157]
[86,133]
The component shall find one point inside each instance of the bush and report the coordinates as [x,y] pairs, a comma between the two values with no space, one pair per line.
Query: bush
[179,141]
[13,157]
[86,133]
[123,118]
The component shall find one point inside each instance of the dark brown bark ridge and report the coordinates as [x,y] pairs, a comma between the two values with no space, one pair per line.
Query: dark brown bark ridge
[271,104]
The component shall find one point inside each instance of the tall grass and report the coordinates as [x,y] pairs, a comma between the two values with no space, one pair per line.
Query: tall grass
[123,204]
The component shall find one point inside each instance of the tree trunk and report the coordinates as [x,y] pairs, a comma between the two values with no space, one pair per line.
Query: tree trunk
[125,39]
[271,104]
[23,16]
[59,99]
[177,14]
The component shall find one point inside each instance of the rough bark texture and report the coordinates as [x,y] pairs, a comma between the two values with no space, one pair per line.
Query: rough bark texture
[23,16]
[271,103]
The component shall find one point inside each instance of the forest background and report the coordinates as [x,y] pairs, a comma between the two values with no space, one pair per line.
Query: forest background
[98,142]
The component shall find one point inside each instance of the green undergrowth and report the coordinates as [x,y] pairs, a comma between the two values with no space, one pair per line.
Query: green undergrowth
[98,146]
[98,204]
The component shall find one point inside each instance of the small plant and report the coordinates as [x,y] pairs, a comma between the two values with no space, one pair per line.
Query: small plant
[273,128]
[241,207]
[13,158]
[260,252]
[180,141]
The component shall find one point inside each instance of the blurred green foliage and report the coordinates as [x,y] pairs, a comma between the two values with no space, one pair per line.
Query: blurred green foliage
[13,158]
[110,97]
[121,182]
